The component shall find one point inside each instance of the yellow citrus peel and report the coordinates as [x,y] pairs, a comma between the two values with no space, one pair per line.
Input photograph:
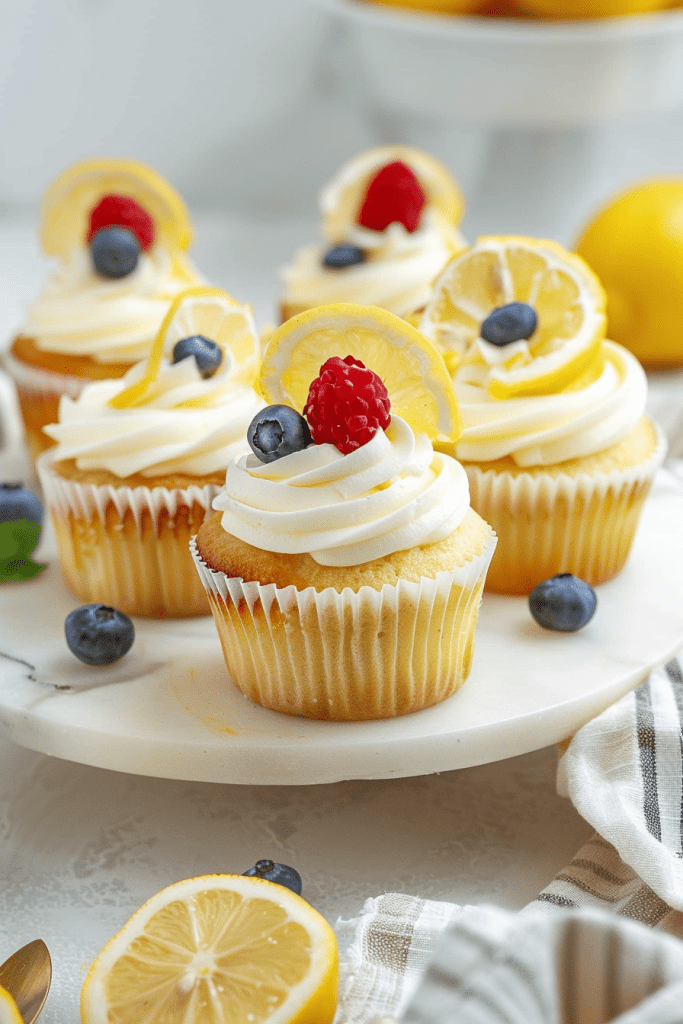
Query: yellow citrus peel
[414,373]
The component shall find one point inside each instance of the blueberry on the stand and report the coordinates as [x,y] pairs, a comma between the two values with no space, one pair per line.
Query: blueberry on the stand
[21,517]
[97,634]
[516,321]
[564,602]
[208,354]
[344,256]
[115,252]
[17,502]
[276,431]
[280,873]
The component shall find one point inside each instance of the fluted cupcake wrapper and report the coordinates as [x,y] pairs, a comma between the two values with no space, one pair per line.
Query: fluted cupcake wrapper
[351,655]
[546,524]
[128,547]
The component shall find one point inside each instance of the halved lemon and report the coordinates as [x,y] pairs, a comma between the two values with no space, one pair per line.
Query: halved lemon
[66,206]
[215,315]
[217,949]
[342,198]
[9,1011]
[414,373]
[565,293]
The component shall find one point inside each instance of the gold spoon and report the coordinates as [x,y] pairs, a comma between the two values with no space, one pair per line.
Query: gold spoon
[26,975]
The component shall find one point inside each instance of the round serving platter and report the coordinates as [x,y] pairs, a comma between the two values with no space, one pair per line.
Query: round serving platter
[169,709]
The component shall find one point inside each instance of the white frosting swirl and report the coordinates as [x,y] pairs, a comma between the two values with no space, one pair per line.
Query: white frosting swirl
[546,429]
[163,435]
[81,313]
[397,275]
[393,493]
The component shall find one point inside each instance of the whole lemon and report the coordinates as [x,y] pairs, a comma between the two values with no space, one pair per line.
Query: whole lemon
[635,246]
[433,6]
[572,9]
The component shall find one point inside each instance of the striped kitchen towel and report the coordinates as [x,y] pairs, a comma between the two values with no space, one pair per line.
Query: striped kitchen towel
[593,946]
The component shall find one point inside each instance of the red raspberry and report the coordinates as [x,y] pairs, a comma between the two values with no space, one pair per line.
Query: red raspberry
[114,211]
[393,194]
[346,405]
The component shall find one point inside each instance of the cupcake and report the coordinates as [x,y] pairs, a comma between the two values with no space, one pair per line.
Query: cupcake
[390,220]
[556,445]
[139,459]
[120,234]
[343,563]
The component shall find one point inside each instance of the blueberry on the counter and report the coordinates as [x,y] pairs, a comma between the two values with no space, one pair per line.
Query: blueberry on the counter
[344,256]
[208,355]
[280,873]
[564,602]
[97,634]
[516,321]
[276,431]
[17,502]
[115,252]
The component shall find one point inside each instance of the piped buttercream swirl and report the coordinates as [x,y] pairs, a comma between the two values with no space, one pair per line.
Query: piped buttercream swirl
[391,494]
[545,429]
[109,320]
[187,424]
[397,275]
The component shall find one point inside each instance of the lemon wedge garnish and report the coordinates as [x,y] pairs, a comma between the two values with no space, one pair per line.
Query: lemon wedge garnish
[215,315]
[566,295]
[414,373]
[9,1011]
[66,206]
[217,949]
[342,198]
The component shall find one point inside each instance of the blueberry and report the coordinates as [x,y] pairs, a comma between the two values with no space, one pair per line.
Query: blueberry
[97,634]
[344,256]
[115,252]
[563,602]
[274,872]
[506,324]
[208,355]
[16,502]
[277,431]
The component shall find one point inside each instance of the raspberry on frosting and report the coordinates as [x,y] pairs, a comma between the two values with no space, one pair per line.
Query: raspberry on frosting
[114,211]
[347,404]
[394,194]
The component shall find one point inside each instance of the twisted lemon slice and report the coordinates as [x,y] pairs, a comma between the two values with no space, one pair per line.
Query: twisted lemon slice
[564,292]
[213,314]
[66,205]
[342,198]
[413,371]
[217,949]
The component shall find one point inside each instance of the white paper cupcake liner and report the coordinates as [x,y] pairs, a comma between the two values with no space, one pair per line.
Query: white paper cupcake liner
[351,655]
[128,547]
[581,524]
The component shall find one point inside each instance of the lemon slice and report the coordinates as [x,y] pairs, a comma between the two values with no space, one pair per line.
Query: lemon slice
[567,296]
[341,199]
[66,206]
[218,949]
[413,371]
[215,315]
[9,1011]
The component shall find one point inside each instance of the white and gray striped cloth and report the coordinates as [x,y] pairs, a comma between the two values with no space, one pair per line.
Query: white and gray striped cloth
[602,942]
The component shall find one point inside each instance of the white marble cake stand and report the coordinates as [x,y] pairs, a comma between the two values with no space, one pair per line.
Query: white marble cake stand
[169,709]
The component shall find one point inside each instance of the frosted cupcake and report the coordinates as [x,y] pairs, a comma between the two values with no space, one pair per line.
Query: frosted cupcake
[139,460]
[390,220]
[120,234]
[343,563]
[558,452]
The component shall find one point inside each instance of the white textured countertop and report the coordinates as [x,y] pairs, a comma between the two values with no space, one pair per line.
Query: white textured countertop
[81,847]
